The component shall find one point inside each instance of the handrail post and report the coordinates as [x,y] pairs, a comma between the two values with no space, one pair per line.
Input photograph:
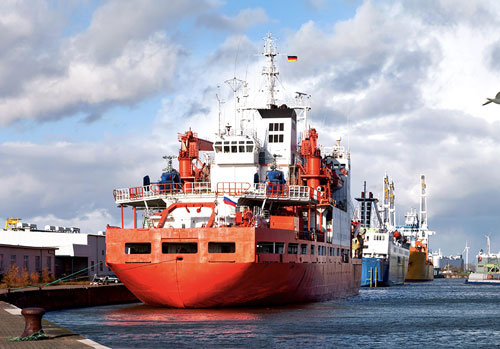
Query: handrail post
[121,207]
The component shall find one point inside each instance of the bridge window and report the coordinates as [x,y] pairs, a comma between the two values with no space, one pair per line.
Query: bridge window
[138,248]
[276,126]
[293,248]
[250,146]
[273,136]
[221,247]
[218,147]
[179,247]
[312,249]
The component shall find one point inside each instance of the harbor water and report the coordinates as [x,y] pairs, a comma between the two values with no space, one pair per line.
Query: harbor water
[442,313]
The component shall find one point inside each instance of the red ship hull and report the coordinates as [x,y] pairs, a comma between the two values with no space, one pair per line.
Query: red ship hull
[245,277]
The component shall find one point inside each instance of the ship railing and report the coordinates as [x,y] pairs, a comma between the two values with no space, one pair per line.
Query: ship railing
[280,192]
[233,188]
[258,190]
[161,190]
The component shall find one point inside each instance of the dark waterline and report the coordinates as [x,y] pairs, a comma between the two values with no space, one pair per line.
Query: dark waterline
[443,313]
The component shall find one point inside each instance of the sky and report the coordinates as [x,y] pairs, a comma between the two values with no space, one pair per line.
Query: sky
[93,94]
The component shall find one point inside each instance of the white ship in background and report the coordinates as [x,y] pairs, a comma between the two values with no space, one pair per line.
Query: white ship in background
[487,269]
[385,253]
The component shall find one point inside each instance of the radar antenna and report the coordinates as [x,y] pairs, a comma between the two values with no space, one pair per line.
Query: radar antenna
[169,167]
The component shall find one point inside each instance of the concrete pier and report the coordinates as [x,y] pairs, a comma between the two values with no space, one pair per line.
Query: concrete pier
[12,325]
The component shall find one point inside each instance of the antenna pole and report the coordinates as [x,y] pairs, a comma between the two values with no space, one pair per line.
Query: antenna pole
[269,70]
[219,103]
[235,85]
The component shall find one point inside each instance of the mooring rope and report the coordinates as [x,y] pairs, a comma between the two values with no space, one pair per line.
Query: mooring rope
[68,277]
[37,336]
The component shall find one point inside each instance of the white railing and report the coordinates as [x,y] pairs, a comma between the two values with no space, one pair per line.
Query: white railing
[200,189]
[281,192]
[158,191]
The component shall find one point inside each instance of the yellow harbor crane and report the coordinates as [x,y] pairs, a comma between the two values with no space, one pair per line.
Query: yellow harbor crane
[11,223]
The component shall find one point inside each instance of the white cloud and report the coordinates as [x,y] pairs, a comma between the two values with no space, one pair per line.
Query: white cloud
[72,180]
[244,19]
[123,57]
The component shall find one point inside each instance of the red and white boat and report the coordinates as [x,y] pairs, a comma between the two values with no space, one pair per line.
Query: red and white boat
[265,221]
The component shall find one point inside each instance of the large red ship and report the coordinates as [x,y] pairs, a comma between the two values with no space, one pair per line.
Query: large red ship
[266,220]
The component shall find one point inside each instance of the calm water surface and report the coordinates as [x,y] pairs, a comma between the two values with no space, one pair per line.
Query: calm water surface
[443,313]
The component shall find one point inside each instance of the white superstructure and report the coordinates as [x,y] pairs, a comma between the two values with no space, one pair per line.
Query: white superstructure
[415,227]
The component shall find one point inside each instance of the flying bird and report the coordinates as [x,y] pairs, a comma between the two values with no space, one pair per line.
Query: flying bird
[494,100]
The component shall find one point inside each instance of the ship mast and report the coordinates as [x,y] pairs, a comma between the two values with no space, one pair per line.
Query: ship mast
[392,206]
[423,205]
[489,246]
[270,70]
[386,199]
[466,250]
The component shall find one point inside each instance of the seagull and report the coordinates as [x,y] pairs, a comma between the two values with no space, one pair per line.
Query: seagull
[494,100]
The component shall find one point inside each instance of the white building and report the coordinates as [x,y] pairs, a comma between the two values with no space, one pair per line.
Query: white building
[440,262]
[74,250]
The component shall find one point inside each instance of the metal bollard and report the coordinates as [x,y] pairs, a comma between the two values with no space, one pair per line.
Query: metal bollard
[33,321]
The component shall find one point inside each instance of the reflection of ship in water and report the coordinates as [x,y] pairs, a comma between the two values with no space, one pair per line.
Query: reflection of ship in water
[385,253]
[145,314]
[420,267]
[487,268]
[266,221]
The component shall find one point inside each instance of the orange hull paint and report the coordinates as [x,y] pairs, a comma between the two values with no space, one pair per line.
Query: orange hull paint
[418,268]
[227,279]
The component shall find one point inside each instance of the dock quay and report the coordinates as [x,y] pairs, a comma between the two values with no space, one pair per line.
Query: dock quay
[68,296]
[12,325]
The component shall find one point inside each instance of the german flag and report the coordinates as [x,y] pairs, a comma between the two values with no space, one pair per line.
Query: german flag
[292,58]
